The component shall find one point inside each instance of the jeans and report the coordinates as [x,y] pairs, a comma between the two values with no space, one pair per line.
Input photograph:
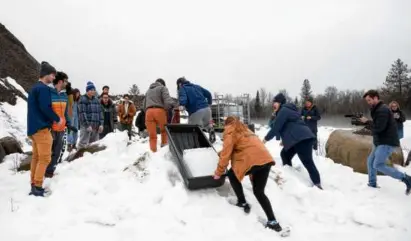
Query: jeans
[377,163]
[72,138]
[304,150]
[259,181]
[56,149]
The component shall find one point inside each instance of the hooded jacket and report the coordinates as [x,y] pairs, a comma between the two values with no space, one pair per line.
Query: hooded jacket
[194,97]
[158,96]
[289,127]
[245,150]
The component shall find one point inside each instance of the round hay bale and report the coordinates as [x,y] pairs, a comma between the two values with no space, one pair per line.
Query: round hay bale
[349,149]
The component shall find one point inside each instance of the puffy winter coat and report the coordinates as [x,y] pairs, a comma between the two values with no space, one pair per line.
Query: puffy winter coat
[289,127]
[59,103]
[194,97]
[245,150]
[384,127]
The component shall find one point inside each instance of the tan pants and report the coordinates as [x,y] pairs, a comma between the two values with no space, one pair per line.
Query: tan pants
[154,117]
[42,142]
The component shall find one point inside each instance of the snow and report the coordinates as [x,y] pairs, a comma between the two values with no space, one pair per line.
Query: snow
[16,85]
[201,161]
[13,122]
[128,193]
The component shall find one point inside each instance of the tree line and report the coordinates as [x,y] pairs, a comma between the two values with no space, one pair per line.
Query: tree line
[333,102]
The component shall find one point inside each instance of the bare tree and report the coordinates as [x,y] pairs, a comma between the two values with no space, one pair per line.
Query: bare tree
[263,97]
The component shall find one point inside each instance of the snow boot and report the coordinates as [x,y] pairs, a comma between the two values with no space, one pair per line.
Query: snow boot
[407,181]
[245,206]
[37,191]
[274,225]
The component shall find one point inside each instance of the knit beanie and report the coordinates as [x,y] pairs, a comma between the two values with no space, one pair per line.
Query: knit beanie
[46,69]
[279,98]
[90,86]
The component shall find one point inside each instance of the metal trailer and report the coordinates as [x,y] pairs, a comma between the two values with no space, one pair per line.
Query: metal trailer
[222,107]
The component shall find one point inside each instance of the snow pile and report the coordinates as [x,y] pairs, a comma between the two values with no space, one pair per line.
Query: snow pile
[13,119]
[128,193]
[201,161]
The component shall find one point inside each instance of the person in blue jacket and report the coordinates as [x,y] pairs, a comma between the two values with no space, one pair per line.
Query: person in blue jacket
[40,118]
[311,115]
[296,137]
[197,101]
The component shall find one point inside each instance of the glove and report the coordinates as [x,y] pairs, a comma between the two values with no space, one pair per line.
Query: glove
[90,129]
[100,129]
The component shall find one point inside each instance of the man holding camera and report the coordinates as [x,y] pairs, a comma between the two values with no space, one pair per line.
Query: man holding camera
[385,140]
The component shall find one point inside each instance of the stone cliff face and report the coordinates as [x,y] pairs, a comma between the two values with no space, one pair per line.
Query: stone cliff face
[17,63]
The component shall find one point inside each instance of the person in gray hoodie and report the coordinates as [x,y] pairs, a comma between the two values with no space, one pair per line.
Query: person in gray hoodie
[156,103]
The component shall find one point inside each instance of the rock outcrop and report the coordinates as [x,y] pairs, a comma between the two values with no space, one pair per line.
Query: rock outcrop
[17,63]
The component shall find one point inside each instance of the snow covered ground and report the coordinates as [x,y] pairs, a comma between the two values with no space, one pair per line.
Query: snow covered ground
[128,193]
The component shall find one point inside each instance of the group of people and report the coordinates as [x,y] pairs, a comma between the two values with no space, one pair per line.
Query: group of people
[297,131]
[55,111]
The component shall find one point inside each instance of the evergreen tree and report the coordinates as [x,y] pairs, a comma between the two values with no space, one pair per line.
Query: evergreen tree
[397,82]
[134,91]
[305,90]
[257,105]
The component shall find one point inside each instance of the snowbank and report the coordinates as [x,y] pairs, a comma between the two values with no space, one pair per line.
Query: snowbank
[128,193]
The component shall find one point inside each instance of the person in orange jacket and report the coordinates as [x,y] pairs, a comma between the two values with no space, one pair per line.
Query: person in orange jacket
[248,156]
[126,113]
[59,104]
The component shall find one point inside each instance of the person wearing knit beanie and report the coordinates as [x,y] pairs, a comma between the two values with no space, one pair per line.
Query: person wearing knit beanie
[90,86]
[46,69]
[280,98]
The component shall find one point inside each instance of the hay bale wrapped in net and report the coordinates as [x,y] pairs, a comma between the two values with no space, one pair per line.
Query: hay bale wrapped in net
[351,149]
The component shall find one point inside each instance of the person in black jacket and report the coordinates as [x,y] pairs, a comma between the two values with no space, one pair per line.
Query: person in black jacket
[141,123]
[399,117]
[311,115]
[385,140]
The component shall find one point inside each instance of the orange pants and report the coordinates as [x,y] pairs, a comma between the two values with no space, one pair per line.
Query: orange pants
[154,117]
[42,142]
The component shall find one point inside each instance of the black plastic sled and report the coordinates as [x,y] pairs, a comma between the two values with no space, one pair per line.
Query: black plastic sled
[182,137]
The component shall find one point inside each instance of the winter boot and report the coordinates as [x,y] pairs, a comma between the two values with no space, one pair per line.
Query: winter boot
[407,181]
[274,225]
[245,206]
[37,191]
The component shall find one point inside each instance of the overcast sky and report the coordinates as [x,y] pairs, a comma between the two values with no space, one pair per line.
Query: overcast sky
[227,46]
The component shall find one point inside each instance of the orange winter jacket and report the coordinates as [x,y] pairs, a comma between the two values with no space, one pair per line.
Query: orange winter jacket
[245,150]
[59,104]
